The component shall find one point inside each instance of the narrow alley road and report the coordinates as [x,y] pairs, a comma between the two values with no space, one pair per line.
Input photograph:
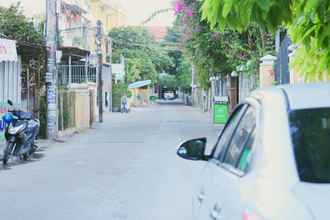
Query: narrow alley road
[124,169]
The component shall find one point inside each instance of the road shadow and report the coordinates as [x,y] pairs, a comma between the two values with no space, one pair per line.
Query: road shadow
[170,102]
[14,161]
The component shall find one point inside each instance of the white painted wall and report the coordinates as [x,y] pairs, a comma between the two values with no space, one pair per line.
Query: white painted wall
[10,82]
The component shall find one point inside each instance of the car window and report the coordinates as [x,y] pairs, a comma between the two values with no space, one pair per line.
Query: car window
[239,150]
[246,155]
[228,131]
[310,134]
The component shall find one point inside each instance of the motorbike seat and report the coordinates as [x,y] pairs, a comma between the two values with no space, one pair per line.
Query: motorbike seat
[23,115]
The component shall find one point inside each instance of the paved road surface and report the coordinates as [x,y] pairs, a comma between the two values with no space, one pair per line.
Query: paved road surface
[124,169]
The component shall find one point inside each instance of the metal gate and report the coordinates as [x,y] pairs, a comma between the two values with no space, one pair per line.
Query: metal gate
[10,83]
[282,73]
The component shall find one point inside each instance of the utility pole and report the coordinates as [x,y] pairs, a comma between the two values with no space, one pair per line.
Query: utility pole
[110,61]
[51,42]
[193,84]
[99,69]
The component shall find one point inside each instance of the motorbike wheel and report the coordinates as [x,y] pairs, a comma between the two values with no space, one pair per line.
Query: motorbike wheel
[26,156]
[6,153]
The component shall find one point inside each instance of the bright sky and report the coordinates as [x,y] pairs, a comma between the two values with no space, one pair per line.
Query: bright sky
[30,7]
[136,11]
[139,10]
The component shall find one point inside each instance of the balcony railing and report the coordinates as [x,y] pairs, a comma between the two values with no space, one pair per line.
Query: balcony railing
[77,74]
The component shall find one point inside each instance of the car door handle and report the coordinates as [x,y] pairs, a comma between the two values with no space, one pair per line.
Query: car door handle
[201,197]
[215,212]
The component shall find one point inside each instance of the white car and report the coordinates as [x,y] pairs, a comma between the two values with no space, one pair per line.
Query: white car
[271,161]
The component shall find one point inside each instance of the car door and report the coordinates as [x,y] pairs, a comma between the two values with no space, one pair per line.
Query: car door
[204,199]
[231,180]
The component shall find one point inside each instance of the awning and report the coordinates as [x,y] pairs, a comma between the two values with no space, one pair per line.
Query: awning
[8,50]
[139,84]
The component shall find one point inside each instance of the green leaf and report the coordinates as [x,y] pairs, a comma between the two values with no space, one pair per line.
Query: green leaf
[228,4]
[311,5]
[309,31]
[264,5]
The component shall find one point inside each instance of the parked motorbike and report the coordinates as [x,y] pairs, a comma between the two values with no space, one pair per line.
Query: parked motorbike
[21,130]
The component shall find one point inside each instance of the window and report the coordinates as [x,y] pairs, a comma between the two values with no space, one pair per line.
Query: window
[239,150]
[310,134]
[228,131]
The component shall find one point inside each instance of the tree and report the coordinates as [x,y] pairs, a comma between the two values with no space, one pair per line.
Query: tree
[145,56]
[180,70]
[14,25]
[307,22]
[168,81]
[218,51]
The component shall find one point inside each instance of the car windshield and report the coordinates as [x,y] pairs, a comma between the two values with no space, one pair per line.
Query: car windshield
[310,132]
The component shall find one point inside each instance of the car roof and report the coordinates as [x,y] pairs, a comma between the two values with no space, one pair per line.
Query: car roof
[300,96]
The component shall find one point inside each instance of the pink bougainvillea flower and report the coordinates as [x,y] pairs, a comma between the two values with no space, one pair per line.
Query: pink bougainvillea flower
[189,12]
[178,7]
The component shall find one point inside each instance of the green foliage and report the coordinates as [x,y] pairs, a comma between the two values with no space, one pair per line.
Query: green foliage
[145,56]
[239,15]
[219,51]
[168,81]
[118,91]
[180,68]
[141,67]
[15,25]
[184,76]
[307,22]
[312,64]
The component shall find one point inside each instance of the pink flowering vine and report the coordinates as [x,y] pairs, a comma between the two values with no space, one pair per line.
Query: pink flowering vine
[179,7]
[189,12]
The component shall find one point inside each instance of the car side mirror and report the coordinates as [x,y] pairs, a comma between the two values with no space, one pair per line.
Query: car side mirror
[10,102]
[193,149]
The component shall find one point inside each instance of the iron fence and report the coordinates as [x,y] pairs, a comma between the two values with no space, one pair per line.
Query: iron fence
[247,83]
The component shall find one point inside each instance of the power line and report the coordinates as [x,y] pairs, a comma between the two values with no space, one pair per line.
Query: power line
[153,15]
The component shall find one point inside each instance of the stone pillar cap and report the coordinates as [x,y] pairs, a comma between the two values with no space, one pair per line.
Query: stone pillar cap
[268,59]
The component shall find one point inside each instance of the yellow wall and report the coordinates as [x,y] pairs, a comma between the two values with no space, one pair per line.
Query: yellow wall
[110,15]
[143,93]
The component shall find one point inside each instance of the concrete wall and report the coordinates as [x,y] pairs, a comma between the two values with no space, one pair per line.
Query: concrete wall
[93,100]
[85,108]
[82,106]
[140,97]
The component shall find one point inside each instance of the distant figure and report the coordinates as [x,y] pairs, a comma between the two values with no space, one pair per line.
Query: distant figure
[124,105]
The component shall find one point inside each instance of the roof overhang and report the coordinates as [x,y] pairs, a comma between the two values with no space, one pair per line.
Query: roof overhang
[139,84]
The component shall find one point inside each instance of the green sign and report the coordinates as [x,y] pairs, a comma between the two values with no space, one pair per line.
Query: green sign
[220,113]
[153,98]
